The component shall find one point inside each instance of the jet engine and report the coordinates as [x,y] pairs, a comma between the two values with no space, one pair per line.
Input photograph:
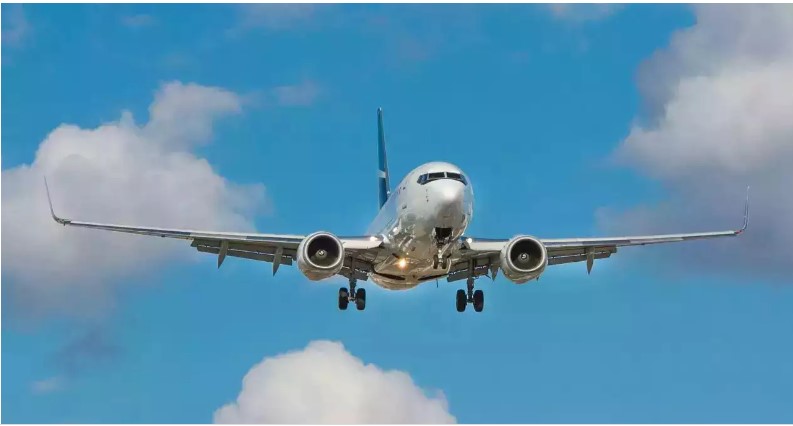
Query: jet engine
[320,255]
[523,258]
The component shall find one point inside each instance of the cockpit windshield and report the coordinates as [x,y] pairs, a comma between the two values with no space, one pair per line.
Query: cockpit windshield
[429,177]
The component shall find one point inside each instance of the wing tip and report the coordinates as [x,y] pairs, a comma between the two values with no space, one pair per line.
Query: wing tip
[52,211]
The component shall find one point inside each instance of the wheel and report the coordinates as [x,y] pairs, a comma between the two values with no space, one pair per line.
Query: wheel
[435,262]
[344,298]
[462,300]
[479,300]
[360,299]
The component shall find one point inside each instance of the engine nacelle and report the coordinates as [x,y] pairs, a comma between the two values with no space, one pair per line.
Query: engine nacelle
[320,255]
[523,258]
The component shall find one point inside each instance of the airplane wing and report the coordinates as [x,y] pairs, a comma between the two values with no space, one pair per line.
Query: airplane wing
[278,249]
[481,256]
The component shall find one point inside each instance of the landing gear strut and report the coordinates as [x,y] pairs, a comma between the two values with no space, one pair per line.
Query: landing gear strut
[441,237]
[477,298]
[439,262]
[346,296]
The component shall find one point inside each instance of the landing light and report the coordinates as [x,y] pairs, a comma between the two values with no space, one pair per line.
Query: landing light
[469,240]
[402,263]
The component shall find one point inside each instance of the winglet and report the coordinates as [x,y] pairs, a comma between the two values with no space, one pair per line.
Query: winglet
[745,214]
[49,200]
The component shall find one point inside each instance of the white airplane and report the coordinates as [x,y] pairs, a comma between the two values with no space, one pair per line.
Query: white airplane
[417,236]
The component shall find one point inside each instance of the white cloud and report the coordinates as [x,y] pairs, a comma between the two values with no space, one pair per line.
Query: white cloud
[118,172]
[16,27]
[324,383]
[720,104]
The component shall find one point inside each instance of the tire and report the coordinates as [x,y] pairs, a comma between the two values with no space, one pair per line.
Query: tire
[479,300]
[344,299]
[462,300]
[360,299]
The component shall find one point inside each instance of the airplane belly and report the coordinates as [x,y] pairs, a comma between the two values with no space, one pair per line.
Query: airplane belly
[402,272]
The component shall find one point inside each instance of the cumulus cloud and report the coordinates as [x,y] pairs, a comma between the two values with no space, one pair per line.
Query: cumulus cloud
[719,116]
[324,383]
[118,172]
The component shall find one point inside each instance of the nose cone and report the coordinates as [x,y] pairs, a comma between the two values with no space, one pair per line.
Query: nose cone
[449,196]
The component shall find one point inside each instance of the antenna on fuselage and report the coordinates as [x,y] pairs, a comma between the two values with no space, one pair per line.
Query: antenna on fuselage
[382,178]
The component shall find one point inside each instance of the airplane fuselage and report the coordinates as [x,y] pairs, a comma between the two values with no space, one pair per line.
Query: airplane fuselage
[421,222]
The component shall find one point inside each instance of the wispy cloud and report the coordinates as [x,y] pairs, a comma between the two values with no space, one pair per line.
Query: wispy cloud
[273,17]
[16,27]
[579,12]
[138,21]
[48,385]
[301,94]
[90,349]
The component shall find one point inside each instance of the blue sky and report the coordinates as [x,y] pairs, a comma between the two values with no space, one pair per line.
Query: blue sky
[531,101]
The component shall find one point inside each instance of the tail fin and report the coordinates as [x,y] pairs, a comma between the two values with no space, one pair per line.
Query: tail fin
[385,187]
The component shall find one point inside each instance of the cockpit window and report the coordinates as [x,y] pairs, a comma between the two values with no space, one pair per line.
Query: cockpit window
[429,177]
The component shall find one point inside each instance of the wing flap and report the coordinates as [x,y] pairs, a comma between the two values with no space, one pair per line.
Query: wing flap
[559,260]
[245,254]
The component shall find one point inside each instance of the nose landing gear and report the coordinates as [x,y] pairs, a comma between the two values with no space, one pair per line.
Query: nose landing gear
[440,262]
[441,237]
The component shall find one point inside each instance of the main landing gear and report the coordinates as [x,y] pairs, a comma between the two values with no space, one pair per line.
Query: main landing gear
[477,298]
[346,296]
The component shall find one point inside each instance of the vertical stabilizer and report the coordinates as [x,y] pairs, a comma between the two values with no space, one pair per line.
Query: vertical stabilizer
[382,178]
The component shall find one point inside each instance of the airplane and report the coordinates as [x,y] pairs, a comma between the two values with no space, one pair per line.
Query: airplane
[418,236]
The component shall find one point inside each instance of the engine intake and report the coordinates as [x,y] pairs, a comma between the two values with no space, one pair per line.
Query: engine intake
[523,258]
[320,255]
